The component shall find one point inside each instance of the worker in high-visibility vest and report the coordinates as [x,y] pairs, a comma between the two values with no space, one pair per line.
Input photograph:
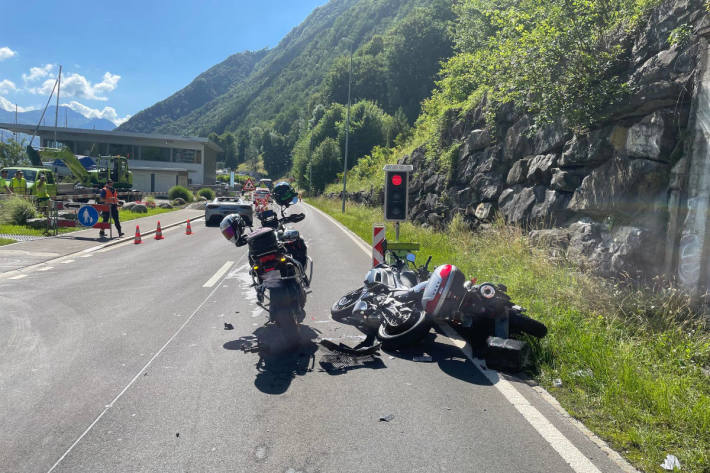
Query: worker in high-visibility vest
[109,196]
[40,192]
[4,187]
[18,183]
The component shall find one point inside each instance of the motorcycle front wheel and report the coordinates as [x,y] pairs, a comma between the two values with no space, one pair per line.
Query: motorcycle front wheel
[407,333]
[344,306]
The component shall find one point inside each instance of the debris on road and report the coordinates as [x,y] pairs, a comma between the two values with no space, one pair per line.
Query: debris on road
[177,434]
[425,358]
[228,326]
[387,418]
[670,463]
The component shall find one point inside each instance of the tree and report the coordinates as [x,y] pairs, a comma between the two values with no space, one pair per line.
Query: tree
[326,164]
[12,153]
[276,154]
[230,150]
[242,146]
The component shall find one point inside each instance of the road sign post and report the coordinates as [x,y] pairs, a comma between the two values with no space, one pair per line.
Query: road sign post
[378,244]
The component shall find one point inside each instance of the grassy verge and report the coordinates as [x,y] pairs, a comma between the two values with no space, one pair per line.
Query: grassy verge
[6,241]
[8,229]
[633,364]
[125,215]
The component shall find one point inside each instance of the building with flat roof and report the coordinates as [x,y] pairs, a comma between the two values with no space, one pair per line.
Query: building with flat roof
[158,162]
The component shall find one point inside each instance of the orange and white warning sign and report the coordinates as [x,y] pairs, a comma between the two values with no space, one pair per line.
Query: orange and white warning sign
[248,186]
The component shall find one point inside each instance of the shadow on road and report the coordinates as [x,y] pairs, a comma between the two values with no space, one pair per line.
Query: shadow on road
[279,361]
[450,359]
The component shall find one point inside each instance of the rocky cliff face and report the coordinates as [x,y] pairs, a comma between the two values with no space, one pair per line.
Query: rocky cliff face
[602,196]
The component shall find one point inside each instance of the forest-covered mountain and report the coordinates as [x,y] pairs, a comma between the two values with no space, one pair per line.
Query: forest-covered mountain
[279,86]
[209,85]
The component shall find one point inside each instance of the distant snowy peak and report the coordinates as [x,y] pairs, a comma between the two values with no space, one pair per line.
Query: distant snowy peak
[66,117]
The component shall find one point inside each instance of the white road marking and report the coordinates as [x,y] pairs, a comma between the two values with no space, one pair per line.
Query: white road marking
[88,255]
[67,261]
[46,268]
[135,378]
[19,276]
[220,272]
[569,453]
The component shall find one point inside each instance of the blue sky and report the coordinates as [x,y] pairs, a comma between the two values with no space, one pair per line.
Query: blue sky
[120,57]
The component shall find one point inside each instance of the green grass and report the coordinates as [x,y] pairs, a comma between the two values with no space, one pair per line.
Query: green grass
[644,392]
[6,241]
[125,215]
[8,229]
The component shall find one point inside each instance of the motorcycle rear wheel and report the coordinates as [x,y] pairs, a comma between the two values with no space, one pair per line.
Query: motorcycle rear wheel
[344,305]
[408,333]
[522,324]
[287,323]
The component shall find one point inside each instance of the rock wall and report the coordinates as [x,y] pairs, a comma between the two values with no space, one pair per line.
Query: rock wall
[613,197]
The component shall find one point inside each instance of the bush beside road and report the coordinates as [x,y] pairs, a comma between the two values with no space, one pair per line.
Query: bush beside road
[633,365]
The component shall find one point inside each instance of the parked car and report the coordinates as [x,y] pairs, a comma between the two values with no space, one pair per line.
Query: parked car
[216,210]
[262,193]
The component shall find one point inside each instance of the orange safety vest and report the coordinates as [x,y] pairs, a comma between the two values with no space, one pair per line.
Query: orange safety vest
[111,196]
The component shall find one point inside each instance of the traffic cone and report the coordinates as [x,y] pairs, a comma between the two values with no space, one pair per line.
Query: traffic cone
[188,231]
[137,240]
[158,232]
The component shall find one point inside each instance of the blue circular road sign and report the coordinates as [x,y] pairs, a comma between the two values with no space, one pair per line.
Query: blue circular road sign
[88,216]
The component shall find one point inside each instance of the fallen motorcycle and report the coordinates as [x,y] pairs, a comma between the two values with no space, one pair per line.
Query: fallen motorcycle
[374,305]
[402,312]
[278,260]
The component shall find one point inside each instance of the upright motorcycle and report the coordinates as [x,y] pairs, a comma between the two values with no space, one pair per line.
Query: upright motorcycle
[280,268]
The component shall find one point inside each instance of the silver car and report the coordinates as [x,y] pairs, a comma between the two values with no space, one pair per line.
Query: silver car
[223,206]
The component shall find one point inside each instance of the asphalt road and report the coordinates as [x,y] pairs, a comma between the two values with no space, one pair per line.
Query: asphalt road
[119,361]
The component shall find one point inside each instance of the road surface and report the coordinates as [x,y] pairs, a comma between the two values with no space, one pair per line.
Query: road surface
[118,361]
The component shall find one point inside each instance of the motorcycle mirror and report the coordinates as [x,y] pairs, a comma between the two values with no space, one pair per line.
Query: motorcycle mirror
[294,200]
[411,257]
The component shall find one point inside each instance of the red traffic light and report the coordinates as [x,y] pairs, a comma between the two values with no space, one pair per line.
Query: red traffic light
[396,179]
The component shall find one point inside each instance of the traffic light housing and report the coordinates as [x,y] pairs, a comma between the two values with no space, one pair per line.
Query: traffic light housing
[396,195]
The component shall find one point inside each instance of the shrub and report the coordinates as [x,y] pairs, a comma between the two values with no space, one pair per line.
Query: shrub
[16,211]
[207,193]
[181,192]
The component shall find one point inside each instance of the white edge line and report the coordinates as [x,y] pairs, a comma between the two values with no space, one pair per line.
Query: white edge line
[220,272]
[561,444]
[546,396]
[138,375]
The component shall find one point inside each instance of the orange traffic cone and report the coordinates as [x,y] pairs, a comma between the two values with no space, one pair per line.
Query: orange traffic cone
[188,231]
[158,232]
[137,240]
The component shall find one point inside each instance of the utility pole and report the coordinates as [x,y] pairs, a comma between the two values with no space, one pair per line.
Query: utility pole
[347,129]
[56,110]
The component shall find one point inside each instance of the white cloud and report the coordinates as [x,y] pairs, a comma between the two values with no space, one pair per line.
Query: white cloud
[6,105]
[7,86]
[109,113]
[6,53]
[38,73]
[76,85]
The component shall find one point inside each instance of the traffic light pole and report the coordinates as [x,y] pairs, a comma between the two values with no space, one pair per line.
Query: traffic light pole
[396,231]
